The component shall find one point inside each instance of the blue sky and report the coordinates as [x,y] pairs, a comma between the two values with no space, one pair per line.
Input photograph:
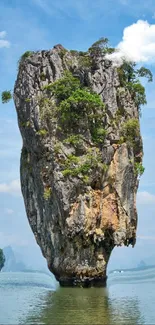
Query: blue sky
[40,24]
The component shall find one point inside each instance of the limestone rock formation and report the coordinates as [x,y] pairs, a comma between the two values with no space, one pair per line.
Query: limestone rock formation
[79,161]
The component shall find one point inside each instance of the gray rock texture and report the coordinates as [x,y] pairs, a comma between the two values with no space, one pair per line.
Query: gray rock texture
[76,223]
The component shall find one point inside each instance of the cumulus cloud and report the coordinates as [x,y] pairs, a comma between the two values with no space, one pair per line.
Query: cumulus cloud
[145,198]
[11,188]
[137,45]
[3,42]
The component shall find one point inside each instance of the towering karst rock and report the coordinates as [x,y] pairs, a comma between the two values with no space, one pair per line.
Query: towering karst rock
[80,160]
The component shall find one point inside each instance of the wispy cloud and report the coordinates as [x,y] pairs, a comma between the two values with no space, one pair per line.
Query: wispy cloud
[139,5]
[11,188]
[45,6]
[144,198]
[146,237]
[87,10]
[83,9]
[3,42]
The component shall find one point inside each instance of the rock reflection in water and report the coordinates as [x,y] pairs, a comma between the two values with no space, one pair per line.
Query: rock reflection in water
[69,306]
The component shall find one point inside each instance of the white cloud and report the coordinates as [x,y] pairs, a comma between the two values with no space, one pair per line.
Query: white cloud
[138,44]
[3,42]
[11,188]
[145,198]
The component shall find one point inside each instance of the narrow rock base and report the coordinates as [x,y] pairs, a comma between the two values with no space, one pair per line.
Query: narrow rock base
[85,282]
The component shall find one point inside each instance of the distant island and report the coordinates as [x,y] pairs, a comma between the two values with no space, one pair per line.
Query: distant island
[140,267]
[2,259]
[13,264]
[11,261]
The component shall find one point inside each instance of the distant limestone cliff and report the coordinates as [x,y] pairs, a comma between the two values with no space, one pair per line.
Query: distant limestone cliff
[12,263]
[81,158]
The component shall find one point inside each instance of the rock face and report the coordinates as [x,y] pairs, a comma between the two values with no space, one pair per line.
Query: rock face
[77,219]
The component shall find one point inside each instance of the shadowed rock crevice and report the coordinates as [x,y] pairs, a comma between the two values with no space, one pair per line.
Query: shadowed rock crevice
[78,174]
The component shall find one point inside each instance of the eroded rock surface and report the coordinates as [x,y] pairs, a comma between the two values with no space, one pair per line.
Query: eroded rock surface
[76,220]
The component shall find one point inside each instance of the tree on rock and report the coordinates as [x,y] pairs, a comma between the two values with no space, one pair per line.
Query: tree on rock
[6,96]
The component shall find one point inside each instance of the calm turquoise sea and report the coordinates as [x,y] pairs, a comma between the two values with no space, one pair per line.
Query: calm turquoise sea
[33,298]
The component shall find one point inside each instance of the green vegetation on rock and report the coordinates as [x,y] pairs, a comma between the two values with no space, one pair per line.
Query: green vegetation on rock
[75,103]
[85,60]
[137,91]
[128,76]
[62,53]
[6,96]
[98,134]
[27,100]
[74,139]
[101,47]
[79,103]
[139,168]
[25,124]
[42,76]
[130,131]
[47,108]
[63,87]
[57,148]
[144,72]
[75,166]
[25,56]
[42,132]
[47,193]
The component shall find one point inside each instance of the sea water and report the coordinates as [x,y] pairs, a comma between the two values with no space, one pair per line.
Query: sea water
[35,298]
